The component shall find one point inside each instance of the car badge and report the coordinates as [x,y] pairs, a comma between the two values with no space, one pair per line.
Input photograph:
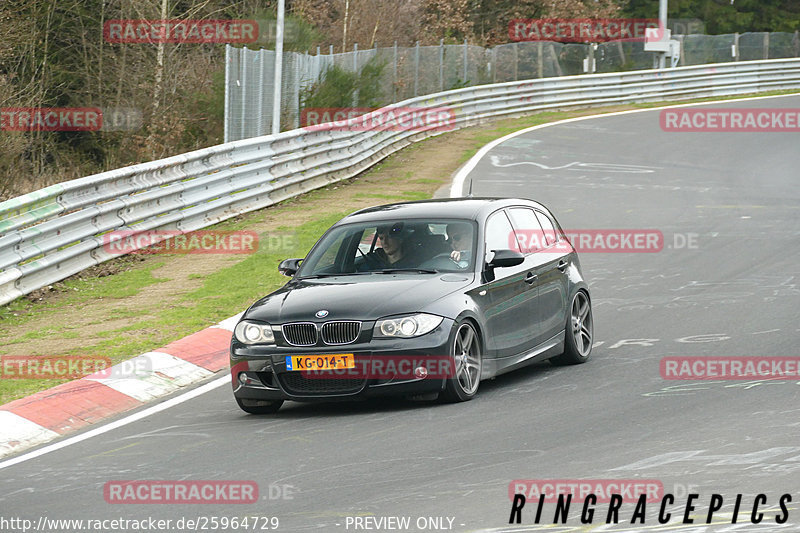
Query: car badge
[322,313]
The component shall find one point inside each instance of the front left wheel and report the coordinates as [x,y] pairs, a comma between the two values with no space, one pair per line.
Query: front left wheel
[259,407]
[466,354]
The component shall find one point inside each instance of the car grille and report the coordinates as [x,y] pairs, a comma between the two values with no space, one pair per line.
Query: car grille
[333,333]
[300,333]
[342,332]
[296,383]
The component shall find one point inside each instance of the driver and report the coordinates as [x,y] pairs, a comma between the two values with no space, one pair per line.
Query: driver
[393,247]
[392,243]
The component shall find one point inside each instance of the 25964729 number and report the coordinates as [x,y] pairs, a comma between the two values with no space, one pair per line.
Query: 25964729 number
[225,523]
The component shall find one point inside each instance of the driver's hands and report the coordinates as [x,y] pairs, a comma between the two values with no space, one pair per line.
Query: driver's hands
[455,255]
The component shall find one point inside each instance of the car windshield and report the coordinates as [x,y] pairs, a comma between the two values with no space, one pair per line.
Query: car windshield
[390,246]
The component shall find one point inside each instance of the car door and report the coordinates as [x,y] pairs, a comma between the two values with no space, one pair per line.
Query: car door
[509,300]
[552,267]
[530,241]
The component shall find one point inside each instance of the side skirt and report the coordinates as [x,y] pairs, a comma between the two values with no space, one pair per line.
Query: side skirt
[549,348]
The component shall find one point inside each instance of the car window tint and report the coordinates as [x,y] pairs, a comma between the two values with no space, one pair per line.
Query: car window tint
[530,236]
[549,231]
[368,240]
[499,233]
[424,244]
[327,262]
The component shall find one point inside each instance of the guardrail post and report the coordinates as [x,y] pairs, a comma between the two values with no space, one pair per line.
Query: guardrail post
[466,59]
[261,83]
[540,62]
[243,66]
[394,73]
[493,62]
[516,61]
[441,65]
[796,43]
[556,62]
[416,69]
[226,129]
[735,47]
[355,71]
[766,45]
[590,66]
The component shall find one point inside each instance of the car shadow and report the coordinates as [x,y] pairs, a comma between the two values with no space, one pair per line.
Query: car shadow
[378,405]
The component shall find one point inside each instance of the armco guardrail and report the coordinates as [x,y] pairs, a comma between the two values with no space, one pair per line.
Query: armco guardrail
[50,234]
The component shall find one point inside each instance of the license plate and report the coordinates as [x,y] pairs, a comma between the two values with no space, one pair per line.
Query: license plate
[337,361]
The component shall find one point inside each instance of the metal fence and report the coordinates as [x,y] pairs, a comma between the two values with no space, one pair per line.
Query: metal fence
[418,70]
[50,234]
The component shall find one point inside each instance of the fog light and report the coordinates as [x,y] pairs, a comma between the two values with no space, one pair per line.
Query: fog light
[421,372]
[244,379]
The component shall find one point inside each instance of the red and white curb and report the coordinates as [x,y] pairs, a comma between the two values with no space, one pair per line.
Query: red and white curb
[49,414]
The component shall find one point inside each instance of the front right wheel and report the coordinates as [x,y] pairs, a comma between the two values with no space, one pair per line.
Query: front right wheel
[578,333]
[466,354]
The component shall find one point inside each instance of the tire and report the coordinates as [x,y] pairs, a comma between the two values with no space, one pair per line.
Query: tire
[465,348]
[259,407]
[578,333]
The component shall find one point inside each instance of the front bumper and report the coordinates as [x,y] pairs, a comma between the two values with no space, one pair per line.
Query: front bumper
[260,372]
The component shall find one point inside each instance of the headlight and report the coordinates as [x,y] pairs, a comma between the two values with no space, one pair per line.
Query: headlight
[407,326]
[253,333]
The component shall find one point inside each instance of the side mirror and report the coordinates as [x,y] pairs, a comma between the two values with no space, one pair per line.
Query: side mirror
[289,267]
[506,258]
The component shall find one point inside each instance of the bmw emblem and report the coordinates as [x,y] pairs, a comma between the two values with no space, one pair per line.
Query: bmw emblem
[322,313]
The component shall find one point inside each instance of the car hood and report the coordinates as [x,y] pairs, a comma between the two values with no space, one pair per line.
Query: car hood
[365,297]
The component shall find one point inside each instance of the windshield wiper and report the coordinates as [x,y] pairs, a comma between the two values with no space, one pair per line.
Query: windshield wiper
[418,270]
[330,275]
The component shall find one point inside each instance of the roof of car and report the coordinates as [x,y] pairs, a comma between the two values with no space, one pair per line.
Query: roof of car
[466,208]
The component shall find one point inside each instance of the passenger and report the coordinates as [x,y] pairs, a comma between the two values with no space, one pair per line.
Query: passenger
[459,237]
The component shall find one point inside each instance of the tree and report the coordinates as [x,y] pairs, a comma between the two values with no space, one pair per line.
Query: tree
[723,16]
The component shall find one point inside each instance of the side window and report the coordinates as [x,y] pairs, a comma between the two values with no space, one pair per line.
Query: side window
[530,236]
[549,231]
[499,233]
[327,262]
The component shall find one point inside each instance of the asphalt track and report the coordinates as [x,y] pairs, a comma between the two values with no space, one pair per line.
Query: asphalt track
[734,292]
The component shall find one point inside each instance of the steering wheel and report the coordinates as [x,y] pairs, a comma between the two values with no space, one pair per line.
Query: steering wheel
[370,260]
[446,255]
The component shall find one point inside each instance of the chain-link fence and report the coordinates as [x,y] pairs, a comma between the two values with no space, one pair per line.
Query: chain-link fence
[419,70]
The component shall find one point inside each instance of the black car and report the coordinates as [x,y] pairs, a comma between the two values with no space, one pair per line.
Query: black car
[418,299]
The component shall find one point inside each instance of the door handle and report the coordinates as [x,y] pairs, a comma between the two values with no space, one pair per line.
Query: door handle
[530,278]
[562,265]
